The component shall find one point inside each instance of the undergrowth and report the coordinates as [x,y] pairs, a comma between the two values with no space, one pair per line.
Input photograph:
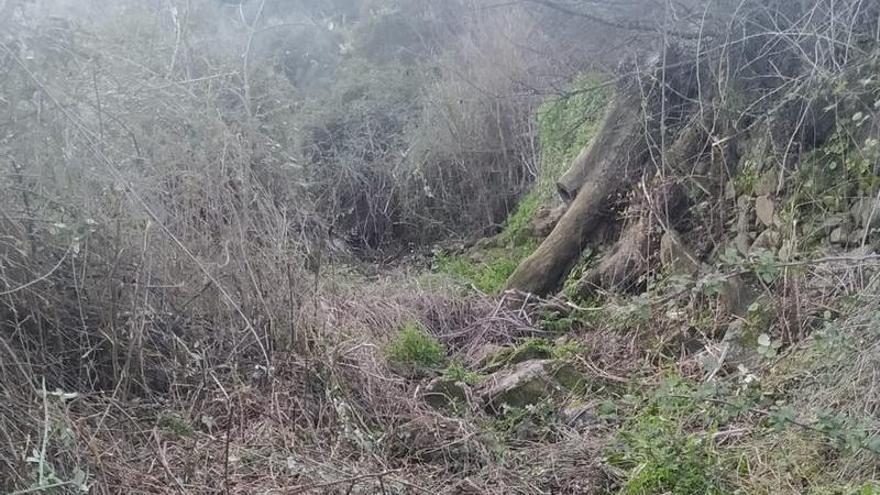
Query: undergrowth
[414,348]
[566,124]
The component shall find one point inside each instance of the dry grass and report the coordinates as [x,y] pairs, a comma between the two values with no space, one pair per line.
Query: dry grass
[172,319]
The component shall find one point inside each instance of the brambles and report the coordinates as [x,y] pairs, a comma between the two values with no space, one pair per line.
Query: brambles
[216,220]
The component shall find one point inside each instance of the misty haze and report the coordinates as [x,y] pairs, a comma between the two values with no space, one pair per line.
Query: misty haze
[440,247]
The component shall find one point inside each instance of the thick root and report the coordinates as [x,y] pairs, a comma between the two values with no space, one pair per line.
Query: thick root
[616,157]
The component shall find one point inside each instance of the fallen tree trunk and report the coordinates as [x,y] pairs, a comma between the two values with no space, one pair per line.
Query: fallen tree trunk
[571,181]
[616,157]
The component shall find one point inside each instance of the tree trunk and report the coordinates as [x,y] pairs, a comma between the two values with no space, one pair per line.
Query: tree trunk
[611,163]
[571,181]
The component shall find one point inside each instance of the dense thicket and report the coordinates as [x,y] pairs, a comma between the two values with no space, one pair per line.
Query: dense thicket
[186,186]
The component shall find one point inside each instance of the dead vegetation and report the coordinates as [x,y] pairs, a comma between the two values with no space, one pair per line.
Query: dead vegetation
[190,192]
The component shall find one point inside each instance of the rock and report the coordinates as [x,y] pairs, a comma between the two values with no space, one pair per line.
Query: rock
[856,237]
[765,208]
[839,236]
[527,383]
[514,355]
[578,415]
[443,392]
[766,184]
[834,221]
[866,212]
[436,439]
[730,190]
[737,348]
[742,240]
[480,357]
[675,257]
[544,220]
[786,252]
[735,296]
[769,240]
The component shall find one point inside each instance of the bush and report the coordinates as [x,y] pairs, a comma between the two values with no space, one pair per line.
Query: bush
[659,455]
[414,347]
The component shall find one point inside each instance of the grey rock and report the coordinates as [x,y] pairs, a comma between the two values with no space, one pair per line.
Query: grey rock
[730,190]
[507,356]
[769,240]
[765,209]
[544,220]
[839,236]
[527,383]
[735,296]
[738,348]
[767,182]
[675,257]
[481,356]
[742,240]
[443,392]
[856,237]
[435,439]
[786,251]
[834,221]
[578,415]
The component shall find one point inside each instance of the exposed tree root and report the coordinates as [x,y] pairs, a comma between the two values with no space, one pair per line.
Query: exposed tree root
[616,158]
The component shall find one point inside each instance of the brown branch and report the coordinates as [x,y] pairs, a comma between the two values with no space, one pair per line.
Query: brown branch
[620,23]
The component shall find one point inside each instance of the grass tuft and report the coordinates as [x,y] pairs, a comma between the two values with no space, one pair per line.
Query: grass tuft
[414,347]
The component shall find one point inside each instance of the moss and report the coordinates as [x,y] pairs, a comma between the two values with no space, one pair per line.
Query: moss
[413,347]
[457,372]
[489,270]
[515,232]
[570,286]
[175,423]
[534,348]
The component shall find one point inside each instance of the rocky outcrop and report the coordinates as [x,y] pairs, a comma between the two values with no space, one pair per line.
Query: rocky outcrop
[528,383]
[443,392]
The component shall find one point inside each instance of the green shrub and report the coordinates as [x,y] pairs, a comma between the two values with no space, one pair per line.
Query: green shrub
[415,347]
[457,372]
[658,453]
[174,422]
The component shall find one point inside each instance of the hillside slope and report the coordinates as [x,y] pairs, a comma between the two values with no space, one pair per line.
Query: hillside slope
[440,247]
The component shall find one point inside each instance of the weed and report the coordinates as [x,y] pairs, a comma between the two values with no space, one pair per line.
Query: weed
[414,347]
[658,454]
[565,125]
[527,423]
[459,373]
[173,422]
[488,276]
[535,348]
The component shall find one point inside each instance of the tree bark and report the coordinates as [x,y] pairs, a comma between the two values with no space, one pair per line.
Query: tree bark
[571,181]
[611,163]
